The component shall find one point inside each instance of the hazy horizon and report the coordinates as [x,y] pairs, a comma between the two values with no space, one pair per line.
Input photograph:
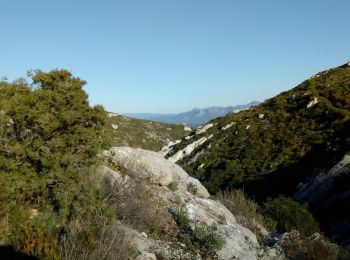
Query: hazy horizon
[171,56]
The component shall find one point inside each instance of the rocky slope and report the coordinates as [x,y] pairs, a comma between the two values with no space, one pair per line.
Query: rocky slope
[165,187]
[195,117]
[273,147]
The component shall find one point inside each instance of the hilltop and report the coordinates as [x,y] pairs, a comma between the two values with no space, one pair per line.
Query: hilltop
[272,148]
[139,133]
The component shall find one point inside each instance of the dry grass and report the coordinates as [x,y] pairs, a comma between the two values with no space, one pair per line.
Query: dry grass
[80,242]
[244,209]
[136,206]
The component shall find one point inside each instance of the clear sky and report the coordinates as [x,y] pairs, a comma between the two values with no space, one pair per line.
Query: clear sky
[172,55]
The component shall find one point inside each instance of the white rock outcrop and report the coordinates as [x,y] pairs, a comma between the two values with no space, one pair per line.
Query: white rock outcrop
[313,102]
[110,114]
[188,149]
[153,167]
[187,128]
[203,129]
[228,126]
[169,147]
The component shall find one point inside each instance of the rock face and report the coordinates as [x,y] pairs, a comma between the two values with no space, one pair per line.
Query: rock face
[172,187]
[327,192]
[318,187]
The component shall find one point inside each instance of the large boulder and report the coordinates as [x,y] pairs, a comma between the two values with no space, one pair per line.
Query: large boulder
[171,187]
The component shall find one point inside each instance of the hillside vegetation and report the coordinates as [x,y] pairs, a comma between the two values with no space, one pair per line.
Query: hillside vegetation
[271,148]
[285,134]
[139,133]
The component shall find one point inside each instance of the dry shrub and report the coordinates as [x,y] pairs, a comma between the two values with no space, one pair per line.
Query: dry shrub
[82,242]
[135,205]
[310,248]
[246,211]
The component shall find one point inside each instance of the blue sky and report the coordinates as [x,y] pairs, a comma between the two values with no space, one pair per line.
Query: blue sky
[170,56]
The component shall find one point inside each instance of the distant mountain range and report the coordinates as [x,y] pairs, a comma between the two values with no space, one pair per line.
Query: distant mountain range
[195,117]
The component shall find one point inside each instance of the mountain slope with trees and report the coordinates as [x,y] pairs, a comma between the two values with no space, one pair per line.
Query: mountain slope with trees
[271,148]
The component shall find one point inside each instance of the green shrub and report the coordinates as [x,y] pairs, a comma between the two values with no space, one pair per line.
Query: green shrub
[49,139]
[136,206]
[246,211]
[192,188]
[291,215]
[202,238]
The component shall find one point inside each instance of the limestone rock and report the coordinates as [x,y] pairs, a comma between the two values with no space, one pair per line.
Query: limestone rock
[316,188]
[146,256]
[169,147]
[313,102]
[158,173]
[228,126]
[189,149]
[203,129]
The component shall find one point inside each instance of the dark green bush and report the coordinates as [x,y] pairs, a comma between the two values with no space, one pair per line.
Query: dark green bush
[290,215]
[49,139]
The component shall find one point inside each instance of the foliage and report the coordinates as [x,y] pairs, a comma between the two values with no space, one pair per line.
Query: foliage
[271,148]
[140,133]
[291,215]
[201,238]
[136,207]
[310,248]
[246,211]
[49,139]
[192,188]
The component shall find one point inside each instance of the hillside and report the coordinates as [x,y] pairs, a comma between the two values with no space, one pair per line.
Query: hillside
[63,196]
[67,194]
[193,118]
[139,133]
[271,148]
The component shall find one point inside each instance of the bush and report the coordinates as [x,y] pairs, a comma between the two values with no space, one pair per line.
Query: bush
[135,206]
[311,248]
[202,238]
[49,139]
[245,210]
[290,215]
[95,238]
